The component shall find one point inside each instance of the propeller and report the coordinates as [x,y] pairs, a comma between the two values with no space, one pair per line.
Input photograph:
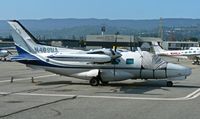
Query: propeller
[151,61]
[9,52]
[115,48]
[140,51]
[115,54]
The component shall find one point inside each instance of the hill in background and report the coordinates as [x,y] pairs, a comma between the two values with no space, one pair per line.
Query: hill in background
[69,28]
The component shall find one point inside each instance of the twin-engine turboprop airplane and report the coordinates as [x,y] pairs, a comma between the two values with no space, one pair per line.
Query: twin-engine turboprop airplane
[101,65]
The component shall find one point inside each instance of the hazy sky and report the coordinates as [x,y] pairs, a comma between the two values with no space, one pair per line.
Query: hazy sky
[111,9]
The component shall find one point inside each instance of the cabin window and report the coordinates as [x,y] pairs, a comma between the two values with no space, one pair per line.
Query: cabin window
[129,61]
[47,60]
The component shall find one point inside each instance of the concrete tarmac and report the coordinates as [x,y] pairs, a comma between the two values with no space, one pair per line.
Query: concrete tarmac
[51,96]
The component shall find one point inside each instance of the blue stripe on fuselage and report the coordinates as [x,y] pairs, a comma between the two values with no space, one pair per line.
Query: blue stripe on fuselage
[20,51]
[26,58]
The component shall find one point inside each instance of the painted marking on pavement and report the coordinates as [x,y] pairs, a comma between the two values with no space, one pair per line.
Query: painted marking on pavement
[29,78]
[190,96]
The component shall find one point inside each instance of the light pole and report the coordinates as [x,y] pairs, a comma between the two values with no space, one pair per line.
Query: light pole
[103,29]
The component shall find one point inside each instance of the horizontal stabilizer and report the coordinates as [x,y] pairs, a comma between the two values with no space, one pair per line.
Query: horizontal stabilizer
[23,58]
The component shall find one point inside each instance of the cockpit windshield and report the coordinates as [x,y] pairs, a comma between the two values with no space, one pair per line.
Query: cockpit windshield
[152,61]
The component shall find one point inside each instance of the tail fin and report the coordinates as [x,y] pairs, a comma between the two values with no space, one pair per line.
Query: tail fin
[23,39]
[157,48]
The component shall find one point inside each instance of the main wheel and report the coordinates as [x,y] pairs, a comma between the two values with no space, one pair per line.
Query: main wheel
[169,83]
[94,81]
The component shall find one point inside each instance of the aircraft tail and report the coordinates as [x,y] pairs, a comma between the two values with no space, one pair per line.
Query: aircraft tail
[24,40]
[157,47]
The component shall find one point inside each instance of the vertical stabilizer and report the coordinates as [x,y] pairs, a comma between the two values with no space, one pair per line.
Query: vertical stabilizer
[23,38]
[157,48]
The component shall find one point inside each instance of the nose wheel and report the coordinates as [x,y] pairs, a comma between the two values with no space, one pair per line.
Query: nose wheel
[169,83]
[95,81]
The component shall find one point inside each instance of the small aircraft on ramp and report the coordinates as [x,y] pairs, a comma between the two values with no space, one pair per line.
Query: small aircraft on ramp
[100,65]
[3,54]
[191,53]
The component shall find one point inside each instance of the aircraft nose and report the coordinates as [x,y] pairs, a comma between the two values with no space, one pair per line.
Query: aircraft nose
[178,70]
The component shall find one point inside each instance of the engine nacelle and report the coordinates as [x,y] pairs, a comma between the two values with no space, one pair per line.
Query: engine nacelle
[94,58]
[87,74]
[177,78]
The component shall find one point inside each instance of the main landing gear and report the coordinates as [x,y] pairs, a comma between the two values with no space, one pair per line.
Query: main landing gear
[95,81]
[196,61]
[169,83]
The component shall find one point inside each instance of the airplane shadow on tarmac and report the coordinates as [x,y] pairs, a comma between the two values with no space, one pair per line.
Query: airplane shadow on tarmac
[124,87]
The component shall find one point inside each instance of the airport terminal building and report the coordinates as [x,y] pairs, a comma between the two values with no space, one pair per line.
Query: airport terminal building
[129,42]
[122,41]
[108,41]
[132,42]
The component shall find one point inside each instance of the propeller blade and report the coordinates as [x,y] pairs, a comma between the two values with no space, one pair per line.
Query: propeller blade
[140,51]
[9,52]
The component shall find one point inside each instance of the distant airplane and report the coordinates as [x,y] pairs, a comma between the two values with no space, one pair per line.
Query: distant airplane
[3,54]
[100,65]
[191,53]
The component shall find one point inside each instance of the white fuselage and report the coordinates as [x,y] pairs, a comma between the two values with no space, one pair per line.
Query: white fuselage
[129,66]
[180,53]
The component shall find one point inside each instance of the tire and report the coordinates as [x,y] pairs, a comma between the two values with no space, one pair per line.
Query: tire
[94,82]
[169,83]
